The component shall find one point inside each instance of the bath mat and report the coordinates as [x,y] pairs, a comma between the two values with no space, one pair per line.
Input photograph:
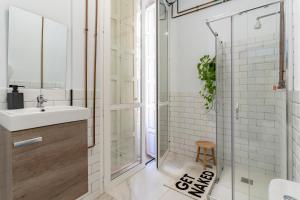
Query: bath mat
[194,185]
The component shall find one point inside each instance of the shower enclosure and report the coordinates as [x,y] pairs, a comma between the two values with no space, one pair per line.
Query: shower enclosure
[251,101]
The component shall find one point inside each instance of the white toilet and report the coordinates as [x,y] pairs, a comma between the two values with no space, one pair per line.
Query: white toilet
[280,189]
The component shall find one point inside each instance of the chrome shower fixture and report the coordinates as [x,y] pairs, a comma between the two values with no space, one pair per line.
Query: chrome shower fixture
[258,24]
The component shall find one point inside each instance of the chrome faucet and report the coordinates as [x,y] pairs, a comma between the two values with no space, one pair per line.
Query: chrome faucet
[40,101]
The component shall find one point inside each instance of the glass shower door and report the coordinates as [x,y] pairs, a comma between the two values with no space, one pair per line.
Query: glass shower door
[259,125]
[163,83]
[220,107]
[223,117]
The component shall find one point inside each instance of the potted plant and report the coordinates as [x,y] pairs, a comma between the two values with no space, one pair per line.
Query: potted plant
[207,73]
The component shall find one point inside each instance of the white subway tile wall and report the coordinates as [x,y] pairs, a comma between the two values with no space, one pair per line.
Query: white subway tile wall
[189,122]
[62,97]
[296,136]
[260,121]
[260,126]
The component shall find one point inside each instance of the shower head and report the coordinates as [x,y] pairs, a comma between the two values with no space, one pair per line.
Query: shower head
[257,24]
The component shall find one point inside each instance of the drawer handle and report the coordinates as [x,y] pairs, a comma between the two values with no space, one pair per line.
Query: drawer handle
[28,142]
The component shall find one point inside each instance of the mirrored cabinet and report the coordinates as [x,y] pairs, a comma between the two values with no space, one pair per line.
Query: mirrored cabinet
[37,50]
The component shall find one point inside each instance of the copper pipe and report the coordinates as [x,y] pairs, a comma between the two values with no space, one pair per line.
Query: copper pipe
[191,10]
[95,73]
[86,29]
[281,83]
[208,4]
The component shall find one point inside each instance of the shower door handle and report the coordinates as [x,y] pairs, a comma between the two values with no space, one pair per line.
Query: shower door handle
[237,111]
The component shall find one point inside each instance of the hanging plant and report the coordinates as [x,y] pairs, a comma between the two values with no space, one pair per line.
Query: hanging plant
[207,73]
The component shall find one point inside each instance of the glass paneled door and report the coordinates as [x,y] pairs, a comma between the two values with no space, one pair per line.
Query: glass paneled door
[125,86]
[163,82]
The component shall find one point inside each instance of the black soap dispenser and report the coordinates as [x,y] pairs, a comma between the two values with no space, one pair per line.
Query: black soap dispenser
[15,99]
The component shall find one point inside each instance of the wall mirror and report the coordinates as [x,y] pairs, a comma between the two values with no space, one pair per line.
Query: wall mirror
[37,51]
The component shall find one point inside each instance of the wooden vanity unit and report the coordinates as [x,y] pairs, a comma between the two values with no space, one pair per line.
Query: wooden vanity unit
[46,163]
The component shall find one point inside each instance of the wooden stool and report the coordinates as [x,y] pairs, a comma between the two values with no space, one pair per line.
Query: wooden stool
[206,145]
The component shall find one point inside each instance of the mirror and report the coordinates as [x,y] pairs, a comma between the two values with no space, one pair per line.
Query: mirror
[37,51]
[55,55]
[24,48]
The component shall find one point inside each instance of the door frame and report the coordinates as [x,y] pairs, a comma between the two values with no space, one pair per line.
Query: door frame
[159,104]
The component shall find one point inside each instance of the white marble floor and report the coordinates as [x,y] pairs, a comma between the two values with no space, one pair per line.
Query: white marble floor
[148,184]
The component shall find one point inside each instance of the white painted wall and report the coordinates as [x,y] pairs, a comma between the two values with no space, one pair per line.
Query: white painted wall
[190,39]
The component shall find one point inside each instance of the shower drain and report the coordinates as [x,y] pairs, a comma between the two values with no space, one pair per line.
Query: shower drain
[247,181]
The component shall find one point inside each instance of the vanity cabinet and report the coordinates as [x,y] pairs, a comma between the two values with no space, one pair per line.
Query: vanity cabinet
[46,163]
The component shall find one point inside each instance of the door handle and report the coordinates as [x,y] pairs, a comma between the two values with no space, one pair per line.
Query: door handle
[237,111]
[28,142]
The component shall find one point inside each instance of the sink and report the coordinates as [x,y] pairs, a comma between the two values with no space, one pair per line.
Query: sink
[280,189]
[21,119]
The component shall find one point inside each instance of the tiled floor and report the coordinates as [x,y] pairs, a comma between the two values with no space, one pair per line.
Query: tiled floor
[257,191]
[148,184]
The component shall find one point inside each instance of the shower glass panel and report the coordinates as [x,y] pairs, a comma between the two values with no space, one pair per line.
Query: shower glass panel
[163,81]
[163,51]
[164,129]
[125,83]
[258,107]
[223,113]
[220,107]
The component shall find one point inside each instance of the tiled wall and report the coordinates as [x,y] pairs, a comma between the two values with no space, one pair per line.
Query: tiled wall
[62,97]
[189,122]
[296,136]
[259,128]
[258,124]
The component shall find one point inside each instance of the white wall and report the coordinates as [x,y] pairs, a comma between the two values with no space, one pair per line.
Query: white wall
[296,95]
[297,44]
[190,39]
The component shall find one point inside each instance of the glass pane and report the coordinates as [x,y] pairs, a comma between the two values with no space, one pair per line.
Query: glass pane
[126,137]
[267,144]
[115,98]
[259,107]
[240,107]
[223,109]
[163,129]
[220,108]
[163,51]
[114,62]
[125,84]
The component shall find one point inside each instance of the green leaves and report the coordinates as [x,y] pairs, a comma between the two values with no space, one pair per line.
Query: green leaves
[207,73]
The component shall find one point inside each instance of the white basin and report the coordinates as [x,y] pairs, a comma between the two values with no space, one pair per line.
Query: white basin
[21,119]
[280,189]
